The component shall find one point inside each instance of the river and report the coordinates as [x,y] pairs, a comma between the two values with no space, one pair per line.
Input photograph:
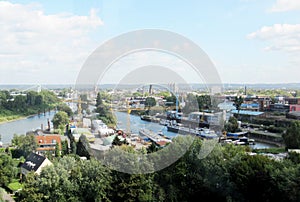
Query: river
[136,123]
[7,130]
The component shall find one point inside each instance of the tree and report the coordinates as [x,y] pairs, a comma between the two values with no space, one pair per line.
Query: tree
[19,103]
[64,148]
[31,98]
[60,118]
[232,125]
[238,101]
[73,147]
[292,136]
[83,147]
[252,174]
[99,100]
[65,108]
[150,102]
[137,94]
[68,180]
[104,112]
[25,144]
[57,150]
[30,192]
[118,142]
[7,169]
[191,104]
[171,100]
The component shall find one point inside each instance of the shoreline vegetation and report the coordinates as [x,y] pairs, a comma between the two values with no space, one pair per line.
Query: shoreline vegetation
[22,106]
[12,118]
[7,119]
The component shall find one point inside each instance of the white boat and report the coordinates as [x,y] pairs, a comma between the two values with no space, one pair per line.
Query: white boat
[163,122]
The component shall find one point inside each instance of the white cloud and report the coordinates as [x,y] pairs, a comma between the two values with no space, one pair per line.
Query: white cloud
[32,41]
[285,5]
[283,37]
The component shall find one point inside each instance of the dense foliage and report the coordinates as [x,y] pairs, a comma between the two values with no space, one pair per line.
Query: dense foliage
[198,103]
[292,136]
[228,173]
[68,180]
[24,144]
[7,169]
[150,102]
[232,125]
[60,119]
[14,105]
[104,111]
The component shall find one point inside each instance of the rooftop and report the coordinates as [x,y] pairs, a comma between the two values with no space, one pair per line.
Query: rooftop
[33,162]
[245,112]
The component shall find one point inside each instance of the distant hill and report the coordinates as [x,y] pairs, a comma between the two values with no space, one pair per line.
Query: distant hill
[193,86]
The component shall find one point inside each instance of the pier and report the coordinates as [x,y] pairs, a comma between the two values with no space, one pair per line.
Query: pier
[158,139]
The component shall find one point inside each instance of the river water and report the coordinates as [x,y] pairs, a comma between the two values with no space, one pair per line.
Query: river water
[136,123]
[125,121]
[7,130]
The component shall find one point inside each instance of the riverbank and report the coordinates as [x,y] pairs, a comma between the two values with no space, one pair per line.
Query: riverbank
[8,119]
[13,118]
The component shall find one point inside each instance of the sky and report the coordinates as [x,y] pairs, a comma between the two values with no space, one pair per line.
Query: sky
[248,41]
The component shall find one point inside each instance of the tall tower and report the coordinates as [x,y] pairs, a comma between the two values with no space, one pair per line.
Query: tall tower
[150,89]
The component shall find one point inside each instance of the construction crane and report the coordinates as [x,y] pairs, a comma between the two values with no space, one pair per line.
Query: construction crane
[79,109]
[128,129]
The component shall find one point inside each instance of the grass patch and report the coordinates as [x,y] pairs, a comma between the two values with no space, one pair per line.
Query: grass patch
[10,118]
[276,150]
[15,185]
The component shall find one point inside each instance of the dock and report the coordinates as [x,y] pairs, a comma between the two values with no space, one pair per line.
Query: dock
[153,136]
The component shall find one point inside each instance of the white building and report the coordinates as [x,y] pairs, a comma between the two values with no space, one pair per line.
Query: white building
[99,127]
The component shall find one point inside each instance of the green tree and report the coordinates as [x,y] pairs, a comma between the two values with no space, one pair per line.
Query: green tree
[7,169]
[292,136]
[104,111]
[191,104]
[64,148]
[19,103]
[118,142]
[232,125]
[30,192]
[57,150]
[60,118]
[99,100]
[252,174]
[64,107]
[31,98]
[25,144]
[68,180]
[204,102]
[150,102]
[137,94]
[83,147]
[49,97]
[73,147]
[171,100]
[238,101]
[131,187]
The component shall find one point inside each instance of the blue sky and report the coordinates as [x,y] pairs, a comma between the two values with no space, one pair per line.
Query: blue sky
[249,41]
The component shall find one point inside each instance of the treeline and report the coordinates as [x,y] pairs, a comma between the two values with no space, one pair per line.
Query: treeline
[28,103]
[103,109]
[228,173]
